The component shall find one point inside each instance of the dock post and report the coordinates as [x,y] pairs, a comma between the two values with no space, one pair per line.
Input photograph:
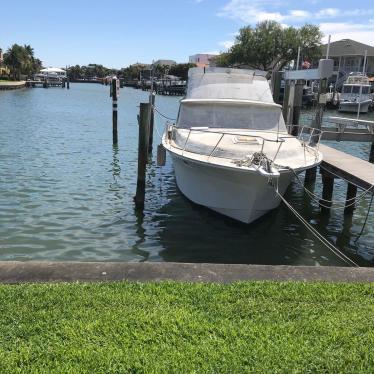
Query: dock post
[349,202]
[142,154]
[297,104]
[327,191]
[286,95]
[371,157]
[152,98]
[310,176]
[276,80]
[114,109]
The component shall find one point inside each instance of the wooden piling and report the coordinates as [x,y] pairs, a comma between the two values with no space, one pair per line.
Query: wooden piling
[276,80]
[114,110]
[327,191]
[286,94]
[350,206]
[142,154]
[310,176]
[371,157]
[152,98]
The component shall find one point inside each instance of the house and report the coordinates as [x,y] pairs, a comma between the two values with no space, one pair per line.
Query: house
[202,60]
[348,56]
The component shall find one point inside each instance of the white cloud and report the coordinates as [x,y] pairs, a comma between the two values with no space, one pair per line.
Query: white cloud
[361,32]
[299,13]
[253,11]
[327,12]
[226,44]
[249,11]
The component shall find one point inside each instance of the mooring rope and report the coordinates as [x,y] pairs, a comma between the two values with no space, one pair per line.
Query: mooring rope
[321,238]
[163,115]
[260,157]
[366,218]
[313,196]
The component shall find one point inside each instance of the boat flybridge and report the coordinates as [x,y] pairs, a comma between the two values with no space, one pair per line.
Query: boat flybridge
[356,96]
[230,147]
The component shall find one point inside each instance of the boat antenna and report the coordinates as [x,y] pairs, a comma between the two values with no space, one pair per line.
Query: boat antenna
[328,48]
[363,72]
[298,58]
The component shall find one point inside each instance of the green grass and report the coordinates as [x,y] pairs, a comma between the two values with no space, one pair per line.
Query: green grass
[261,327]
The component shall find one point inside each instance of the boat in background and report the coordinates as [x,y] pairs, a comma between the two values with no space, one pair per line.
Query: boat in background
[356,96]
[230,147]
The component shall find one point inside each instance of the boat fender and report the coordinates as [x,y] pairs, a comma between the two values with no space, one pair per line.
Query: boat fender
[161,155]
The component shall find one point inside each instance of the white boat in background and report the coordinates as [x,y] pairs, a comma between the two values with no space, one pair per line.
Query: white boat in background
[230,147]
[356,95]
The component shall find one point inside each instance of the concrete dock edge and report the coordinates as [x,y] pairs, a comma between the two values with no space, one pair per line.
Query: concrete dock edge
[34,271]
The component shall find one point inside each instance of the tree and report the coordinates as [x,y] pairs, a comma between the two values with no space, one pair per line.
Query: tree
[14,58]
[269,46]
[20,59]
[181,70]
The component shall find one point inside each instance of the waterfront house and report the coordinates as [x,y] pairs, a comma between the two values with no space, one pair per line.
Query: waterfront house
[348,56]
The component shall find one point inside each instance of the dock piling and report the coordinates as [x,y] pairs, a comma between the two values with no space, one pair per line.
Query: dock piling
[114,109]
[349,202]
[152,98]
[327,191]
[142,154]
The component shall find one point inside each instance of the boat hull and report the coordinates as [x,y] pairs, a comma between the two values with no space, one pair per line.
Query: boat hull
[350,106]
[243,195]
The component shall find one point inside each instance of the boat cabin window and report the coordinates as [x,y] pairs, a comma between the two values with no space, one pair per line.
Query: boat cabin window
[231,116]
[356,89]
[365,90]
[347,89]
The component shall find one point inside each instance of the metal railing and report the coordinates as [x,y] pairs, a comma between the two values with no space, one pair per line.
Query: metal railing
[308,137]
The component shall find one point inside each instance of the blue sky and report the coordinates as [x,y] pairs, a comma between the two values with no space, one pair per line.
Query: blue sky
[117,33]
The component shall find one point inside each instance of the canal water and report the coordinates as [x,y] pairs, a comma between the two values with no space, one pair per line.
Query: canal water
[67,194]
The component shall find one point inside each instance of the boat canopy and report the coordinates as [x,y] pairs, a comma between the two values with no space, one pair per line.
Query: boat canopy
[225,83]
[230,99]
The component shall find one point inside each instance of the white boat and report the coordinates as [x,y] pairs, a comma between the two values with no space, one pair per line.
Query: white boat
[356,96]
[230,147]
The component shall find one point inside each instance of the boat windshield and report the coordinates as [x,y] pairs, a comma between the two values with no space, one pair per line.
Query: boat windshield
[231,115]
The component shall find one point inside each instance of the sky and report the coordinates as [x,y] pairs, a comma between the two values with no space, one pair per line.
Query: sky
[118,33]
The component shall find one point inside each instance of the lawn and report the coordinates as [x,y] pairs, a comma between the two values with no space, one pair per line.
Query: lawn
[261,327]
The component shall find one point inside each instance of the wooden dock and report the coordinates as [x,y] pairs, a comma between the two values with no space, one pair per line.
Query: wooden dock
[45,83]
[353,169]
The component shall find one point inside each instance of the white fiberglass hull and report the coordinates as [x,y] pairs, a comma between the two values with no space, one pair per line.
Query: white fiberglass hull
[352,106]
[243,195]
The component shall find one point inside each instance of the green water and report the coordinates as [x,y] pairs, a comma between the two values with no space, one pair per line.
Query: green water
[67,194]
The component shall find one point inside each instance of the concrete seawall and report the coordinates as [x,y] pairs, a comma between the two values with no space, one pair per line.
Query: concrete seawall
[12,85]
[21,272]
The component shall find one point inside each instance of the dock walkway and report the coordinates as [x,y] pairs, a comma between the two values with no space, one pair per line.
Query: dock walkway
[348,167]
